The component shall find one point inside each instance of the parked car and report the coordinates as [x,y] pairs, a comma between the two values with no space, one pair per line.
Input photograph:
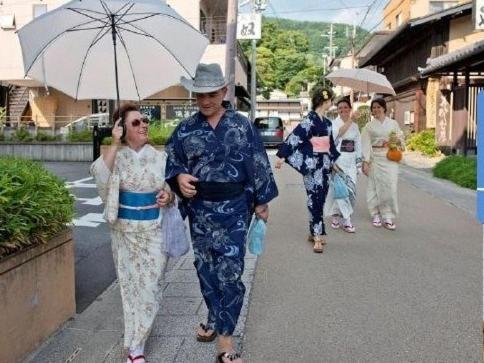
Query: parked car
[271,130]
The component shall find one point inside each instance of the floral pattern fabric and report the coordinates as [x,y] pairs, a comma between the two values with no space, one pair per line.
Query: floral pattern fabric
[137,245]
[230,153]
[381,194]
[297,150]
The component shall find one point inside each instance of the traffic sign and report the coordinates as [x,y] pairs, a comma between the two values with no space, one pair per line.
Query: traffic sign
[478,14]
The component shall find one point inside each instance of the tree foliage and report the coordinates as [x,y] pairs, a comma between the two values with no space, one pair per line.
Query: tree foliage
[289,54]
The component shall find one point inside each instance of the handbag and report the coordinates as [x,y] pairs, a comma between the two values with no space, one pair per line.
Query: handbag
[340,190]
[256,235]
[174,233]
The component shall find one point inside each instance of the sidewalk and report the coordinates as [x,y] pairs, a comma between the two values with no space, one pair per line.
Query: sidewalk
[96,334]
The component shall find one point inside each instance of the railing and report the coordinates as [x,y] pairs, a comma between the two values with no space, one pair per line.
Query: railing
[215,29]
[53,125]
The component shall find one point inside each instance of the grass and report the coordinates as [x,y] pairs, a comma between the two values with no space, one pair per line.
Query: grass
[458,169]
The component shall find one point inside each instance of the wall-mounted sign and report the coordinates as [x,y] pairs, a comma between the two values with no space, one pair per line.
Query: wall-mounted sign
[153,112]
[179,112]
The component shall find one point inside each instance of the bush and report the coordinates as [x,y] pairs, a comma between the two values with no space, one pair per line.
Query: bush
[43,137]
[424,142]
[22,135]
[34,205]
[158,133]
[363,116]
[80,136]
[458,169]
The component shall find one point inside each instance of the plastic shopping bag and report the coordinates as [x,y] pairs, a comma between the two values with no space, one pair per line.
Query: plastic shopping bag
[339,187]
[174,233]
[256,235]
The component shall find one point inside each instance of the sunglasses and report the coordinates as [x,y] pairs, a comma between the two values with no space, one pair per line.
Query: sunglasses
[136,122]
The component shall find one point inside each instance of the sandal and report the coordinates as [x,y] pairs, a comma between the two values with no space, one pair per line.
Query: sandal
[206,338]
[135,358]
[376,221]
[318,241]
[335,223]
[388,224]
[349,228]
[230,356]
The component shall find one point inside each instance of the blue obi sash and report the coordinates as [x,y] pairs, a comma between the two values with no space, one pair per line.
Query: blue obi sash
[138,206]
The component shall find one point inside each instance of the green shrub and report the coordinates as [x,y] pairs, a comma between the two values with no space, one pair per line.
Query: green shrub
[42,136]
[158,133]
[34,205]
[22,135]
[424,142]
[2,137]
[80,136]
[363,116]
[458,169]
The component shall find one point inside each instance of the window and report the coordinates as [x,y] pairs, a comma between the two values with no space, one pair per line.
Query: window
[436,6]
[7,22]
[409,117]
[39,9]
[398,19]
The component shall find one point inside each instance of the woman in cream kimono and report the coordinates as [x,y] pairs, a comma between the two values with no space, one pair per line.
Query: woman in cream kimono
[348,142]
[382,173]
[130,181]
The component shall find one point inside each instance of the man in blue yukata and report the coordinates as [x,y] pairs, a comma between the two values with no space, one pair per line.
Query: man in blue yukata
[218,165]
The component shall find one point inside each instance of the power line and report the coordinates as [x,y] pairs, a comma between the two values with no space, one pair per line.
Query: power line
[319,10]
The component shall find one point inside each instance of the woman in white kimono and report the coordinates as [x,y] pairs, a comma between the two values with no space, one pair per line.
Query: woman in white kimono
[382,173]
[348,142]
[130,181]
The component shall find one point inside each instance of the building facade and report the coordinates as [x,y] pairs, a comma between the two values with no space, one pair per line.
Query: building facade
[29,101]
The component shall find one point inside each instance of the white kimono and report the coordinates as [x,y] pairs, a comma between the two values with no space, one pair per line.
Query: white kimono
[137,244]
[383,176]
[348,162]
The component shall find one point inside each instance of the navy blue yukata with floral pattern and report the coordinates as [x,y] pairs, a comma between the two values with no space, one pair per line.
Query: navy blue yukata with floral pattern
[298,151]
[230,153]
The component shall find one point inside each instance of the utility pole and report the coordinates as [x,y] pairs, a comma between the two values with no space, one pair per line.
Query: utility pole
[331,48]
[257,7]
[353,58]
[231,49]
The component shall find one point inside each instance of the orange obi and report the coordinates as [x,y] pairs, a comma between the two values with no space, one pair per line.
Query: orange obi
[320,144]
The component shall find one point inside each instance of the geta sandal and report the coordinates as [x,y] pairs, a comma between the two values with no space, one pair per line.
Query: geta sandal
[230,356]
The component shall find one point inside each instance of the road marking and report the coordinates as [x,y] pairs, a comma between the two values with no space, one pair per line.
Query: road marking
[91,201]
[89,220]
[81,183]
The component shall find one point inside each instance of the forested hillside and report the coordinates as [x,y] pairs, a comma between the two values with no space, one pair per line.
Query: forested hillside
[290,53]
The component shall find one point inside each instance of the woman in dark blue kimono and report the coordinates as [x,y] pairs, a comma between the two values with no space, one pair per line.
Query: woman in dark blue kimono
[310,149]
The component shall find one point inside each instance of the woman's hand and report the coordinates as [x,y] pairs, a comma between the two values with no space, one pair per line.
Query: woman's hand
[186,185]
[365,168]
[279,163]
[117,133]
[164,198]
[262,212]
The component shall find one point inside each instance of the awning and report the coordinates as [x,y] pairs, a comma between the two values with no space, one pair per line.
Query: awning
[467,57]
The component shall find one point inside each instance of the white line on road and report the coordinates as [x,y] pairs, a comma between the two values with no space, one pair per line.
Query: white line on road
[89,220]
[91,201]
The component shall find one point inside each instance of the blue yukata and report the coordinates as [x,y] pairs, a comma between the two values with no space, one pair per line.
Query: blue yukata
[310,149]
[230,155]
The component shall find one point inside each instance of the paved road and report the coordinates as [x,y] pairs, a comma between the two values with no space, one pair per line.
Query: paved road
[413,295]
[93,256]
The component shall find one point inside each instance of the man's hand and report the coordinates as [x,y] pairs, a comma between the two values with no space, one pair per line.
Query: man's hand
[164,197]
[366,168]
[185,183]
[262,212]
[279,163]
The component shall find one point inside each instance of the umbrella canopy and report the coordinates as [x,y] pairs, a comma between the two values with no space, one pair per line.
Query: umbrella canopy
[89,49]
[361,79]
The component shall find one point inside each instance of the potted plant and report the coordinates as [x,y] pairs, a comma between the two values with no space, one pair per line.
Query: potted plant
[36,256]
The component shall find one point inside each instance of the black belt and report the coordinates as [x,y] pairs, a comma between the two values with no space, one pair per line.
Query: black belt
[347,146]
[216,191]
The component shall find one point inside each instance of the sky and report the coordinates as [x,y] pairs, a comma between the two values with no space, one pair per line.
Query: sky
[336,11]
